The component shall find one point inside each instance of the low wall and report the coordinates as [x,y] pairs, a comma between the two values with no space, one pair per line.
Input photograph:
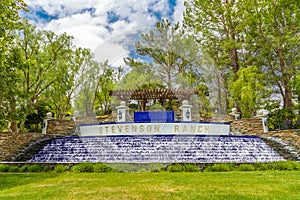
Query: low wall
[285,142]
[251,126]
[60,127]
[13,144]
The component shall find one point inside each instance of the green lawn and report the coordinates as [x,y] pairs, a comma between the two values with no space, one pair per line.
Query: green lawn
[163,185]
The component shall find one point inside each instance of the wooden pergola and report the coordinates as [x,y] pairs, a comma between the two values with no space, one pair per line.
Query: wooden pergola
[144,95]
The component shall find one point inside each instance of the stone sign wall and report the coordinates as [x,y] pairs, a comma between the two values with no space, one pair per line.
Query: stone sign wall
[60,127]
[12,144]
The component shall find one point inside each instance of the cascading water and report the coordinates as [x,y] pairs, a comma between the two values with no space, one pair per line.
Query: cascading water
[157,149]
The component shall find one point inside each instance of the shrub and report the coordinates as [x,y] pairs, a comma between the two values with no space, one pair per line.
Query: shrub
[4,168]
[47,169]
[261,167]
[155,167]
[183,168]
[83,167]
[176,168]
[284,165]
[100,168]
[13,169]
[24,168]
[60,168]
[220,168]
[35,168]
[191,168]
[246,167]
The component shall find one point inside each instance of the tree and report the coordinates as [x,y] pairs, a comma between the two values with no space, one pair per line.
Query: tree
[167,52]
[63,91]
[86,95]
[275,25]
[167,48]
[263,34]
[218,27]
[106,83]
[9,23]
[40,70]
[248,91]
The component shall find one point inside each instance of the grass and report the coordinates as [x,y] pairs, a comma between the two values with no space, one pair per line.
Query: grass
[163,185]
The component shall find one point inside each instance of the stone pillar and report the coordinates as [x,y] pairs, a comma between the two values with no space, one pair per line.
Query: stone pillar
[235,114]
[121,112]
[45,122]
[265,126]
[260,114]
[186,111]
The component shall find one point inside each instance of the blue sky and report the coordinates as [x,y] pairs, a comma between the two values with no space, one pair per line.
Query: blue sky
[106,27]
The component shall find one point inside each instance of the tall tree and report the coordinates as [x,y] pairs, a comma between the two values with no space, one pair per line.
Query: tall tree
[9,23]
[248,90]
[274,33]
[167,48]
[218,28]
[38,69]
[73,69]
[107,81]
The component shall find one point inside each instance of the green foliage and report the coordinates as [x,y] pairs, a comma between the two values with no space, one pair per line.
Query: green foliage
[4,168]
[183,168]
[35,168]
[102,168]
[24,168]
[60,168]
[261,166]
[284,166]
[14,169]
[247,90]
[223,167]
[83,168]
[280,118]
[246,167]
[171,53]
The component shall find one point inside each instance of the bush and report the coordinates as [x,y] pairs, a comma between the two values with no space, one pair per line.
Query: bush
[284,165]
[191,168]
[24,168]
[100,168]
[4,168]
[47,169]
[183,168]
[220,168]
[83,167]
[13,169]
[35,168]
[176,168]
[261,167]
[60,168]
[246,167]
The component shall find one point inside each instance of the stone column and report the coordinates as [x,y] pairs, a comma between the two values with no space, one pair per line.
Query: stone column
[121,112]
[235,114]
[186,111]
[261,115]
[45,122]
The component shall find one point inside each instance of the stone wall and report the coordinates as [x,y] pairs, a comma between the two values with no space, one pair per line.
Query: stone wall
[285,142]
[251,126]
[60,127]
[12,145]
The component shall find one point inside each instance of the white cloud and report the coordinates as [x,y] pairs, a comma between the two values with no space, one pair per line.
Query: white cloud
[178,11]
[102,25]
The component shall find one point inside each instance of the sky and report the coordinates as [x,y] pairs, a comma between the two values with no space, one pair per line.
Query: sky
[107,27]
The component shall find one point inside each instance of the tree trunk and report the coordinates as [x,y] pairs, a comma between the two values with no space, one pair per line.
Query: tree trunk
[13,114]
